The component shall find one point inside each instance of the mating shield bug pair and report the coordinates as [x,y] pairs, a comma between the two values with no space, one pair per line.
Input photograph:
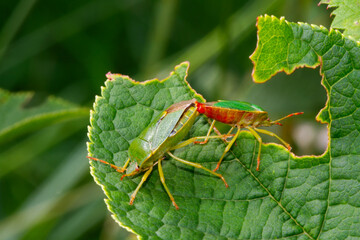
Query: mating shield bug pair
[166,131]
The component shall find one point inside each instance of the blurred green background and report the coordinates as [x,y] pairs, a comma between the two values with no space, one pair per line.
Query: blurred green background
[65,48]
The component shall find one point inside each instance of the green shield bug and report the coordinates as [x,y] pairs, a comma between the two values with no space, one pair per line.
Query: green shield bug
[239,115]
[160,137]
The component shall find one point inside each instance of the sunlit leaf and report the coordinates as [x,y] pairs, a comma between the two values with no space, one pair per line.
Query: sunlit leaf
[290,197]
[346,18]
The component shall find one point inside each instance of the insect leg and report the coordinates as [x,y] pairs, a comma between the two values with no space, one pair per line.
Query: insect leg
[258,138]
[133,173]
[162,179]
[208,134]
[215,129]
[212,126]
[197,165]
[273,135]
[118,169]
[228,148]
[143,179]
[229,133]
[191,140]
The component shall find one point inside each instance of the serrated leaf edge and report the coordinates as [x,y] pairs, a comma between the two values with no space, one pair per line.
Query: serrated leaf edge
[110,77]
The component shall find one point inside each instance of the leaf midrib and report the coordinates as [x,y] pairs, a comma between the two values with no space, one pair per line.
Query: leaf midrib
[269,193]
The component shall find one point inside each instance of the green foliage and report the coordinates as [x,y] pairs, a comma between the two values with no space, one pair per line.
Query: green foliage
[45,186]
[290,197]
[346,16]
[65,53]
[207,208]
[335,187]
[18,116]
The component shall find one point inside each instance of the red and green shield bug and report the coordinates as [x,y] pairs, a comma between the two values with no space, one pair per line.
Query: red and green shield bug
[160,137]
[240,115]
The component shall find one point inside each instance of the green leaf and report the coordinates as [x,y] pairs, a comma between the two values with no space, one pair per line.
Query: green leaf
[347,14]
[207,208]
[19,117]
[322,193]
[310,197]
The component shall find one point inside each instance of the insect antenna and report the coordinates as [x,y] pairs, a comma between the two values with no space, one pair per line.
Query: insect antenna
[118,169]
[290,115]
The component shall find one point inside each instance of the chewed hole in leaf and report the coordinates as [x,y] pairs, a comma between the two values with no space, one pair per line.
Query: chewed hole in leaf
[299,91]
[310,138]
